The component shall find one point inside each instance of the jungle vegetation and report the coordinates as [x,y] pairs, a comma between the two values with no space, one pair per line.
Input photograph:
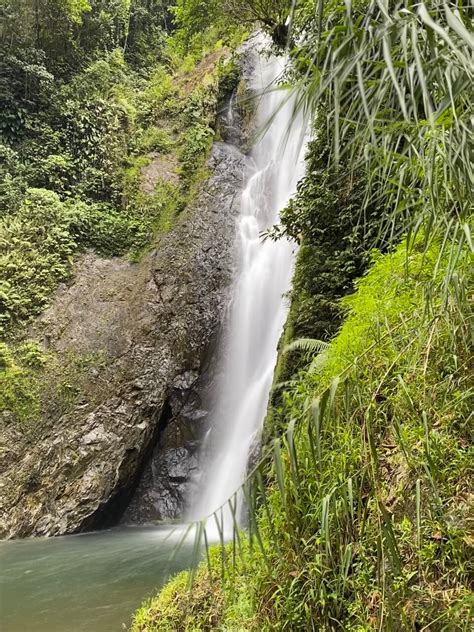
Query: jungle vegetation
[92,94]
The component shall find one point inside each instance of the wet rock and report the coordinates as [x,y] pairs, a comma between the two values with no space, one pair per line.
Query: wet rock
[150,323]
[164,484]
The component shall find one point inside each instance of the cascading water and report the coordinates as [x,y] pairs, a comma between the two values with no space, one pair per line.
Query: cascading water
[257,310]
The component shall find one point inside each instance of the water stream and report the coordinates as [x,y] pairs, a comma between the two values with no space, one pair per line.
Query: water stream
[258,308]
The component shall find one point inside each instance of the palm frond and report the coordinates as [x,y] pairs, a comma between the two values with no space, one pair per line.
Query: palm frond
[395,81]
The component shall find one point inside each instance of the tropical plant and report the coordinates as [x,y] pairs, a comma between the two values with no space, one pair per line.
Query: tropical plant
[314,349]
[395,82]
[309,345]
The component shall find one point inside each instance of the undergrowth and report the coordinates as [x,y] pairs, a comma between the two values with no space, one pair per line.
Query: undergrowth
[44,226]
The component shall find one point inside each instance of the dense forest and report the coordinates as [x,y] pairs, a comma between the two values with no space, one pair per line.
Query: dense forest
[360,505]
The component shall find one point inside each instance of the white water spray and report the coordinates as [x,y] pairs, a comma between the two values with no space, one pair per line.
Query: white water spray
[257,310]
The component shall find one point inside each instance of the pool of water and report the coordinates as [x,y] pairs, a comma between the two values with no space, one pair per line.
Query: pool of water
[89,582]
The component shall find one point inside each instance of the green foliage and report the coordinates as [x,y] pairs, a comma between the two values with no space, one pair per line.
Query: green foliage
[168,613]
[352,489]
[18,393]
[49,25]
[271,15]
[198,24]
[72,33]
[196,602]
[36,386]
[31,355]
[336,240]
[158,97]
[79,127]
[107,231]
[94,133]
[198,114]
[132,175]
[35,255]
[99,79]
[37,244]
[197,21]
[148,22]
[154,139]
[12,180]
[195,16]
[371,71]
[377,303]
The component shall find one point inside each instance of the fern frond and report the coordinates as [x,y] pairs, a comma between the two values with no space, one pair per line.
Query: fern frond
[308,345]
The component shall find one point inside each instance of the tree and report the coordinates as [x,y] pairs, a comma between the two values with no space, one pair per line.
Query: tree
[193,16]
[272,14]
[44,24]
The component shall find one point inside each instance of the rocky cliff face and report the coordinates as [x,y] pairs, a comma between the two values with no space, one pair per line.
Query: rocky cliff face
[123,418]
[150,323]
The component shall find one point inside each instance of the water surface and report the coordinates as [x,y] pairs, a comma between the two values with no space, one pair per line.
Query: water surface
[89,582]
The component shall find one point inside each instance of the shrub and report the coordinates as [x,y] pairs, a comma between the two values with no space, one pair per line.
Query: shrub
[12,180]
[35,254]
[154,139]
[18,392]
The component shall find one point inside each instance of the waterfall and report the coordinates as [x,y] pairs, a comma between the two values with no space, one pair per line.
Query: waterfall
[257,310]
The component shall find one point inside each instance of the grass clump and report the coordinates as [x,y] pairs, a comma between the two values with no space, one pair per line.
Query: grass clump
[182,606]
[35,254]
[19,397]
[214,596]
[155,139]
[380,459]
[176,610]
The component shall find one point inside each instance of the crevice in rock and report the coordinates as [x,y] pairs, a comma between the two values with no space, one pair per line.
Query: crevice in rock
[164,480]
[110,514]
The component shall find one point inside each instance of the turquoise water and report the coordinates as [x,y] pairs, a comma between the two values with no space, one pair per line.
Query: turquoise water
[89,582]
